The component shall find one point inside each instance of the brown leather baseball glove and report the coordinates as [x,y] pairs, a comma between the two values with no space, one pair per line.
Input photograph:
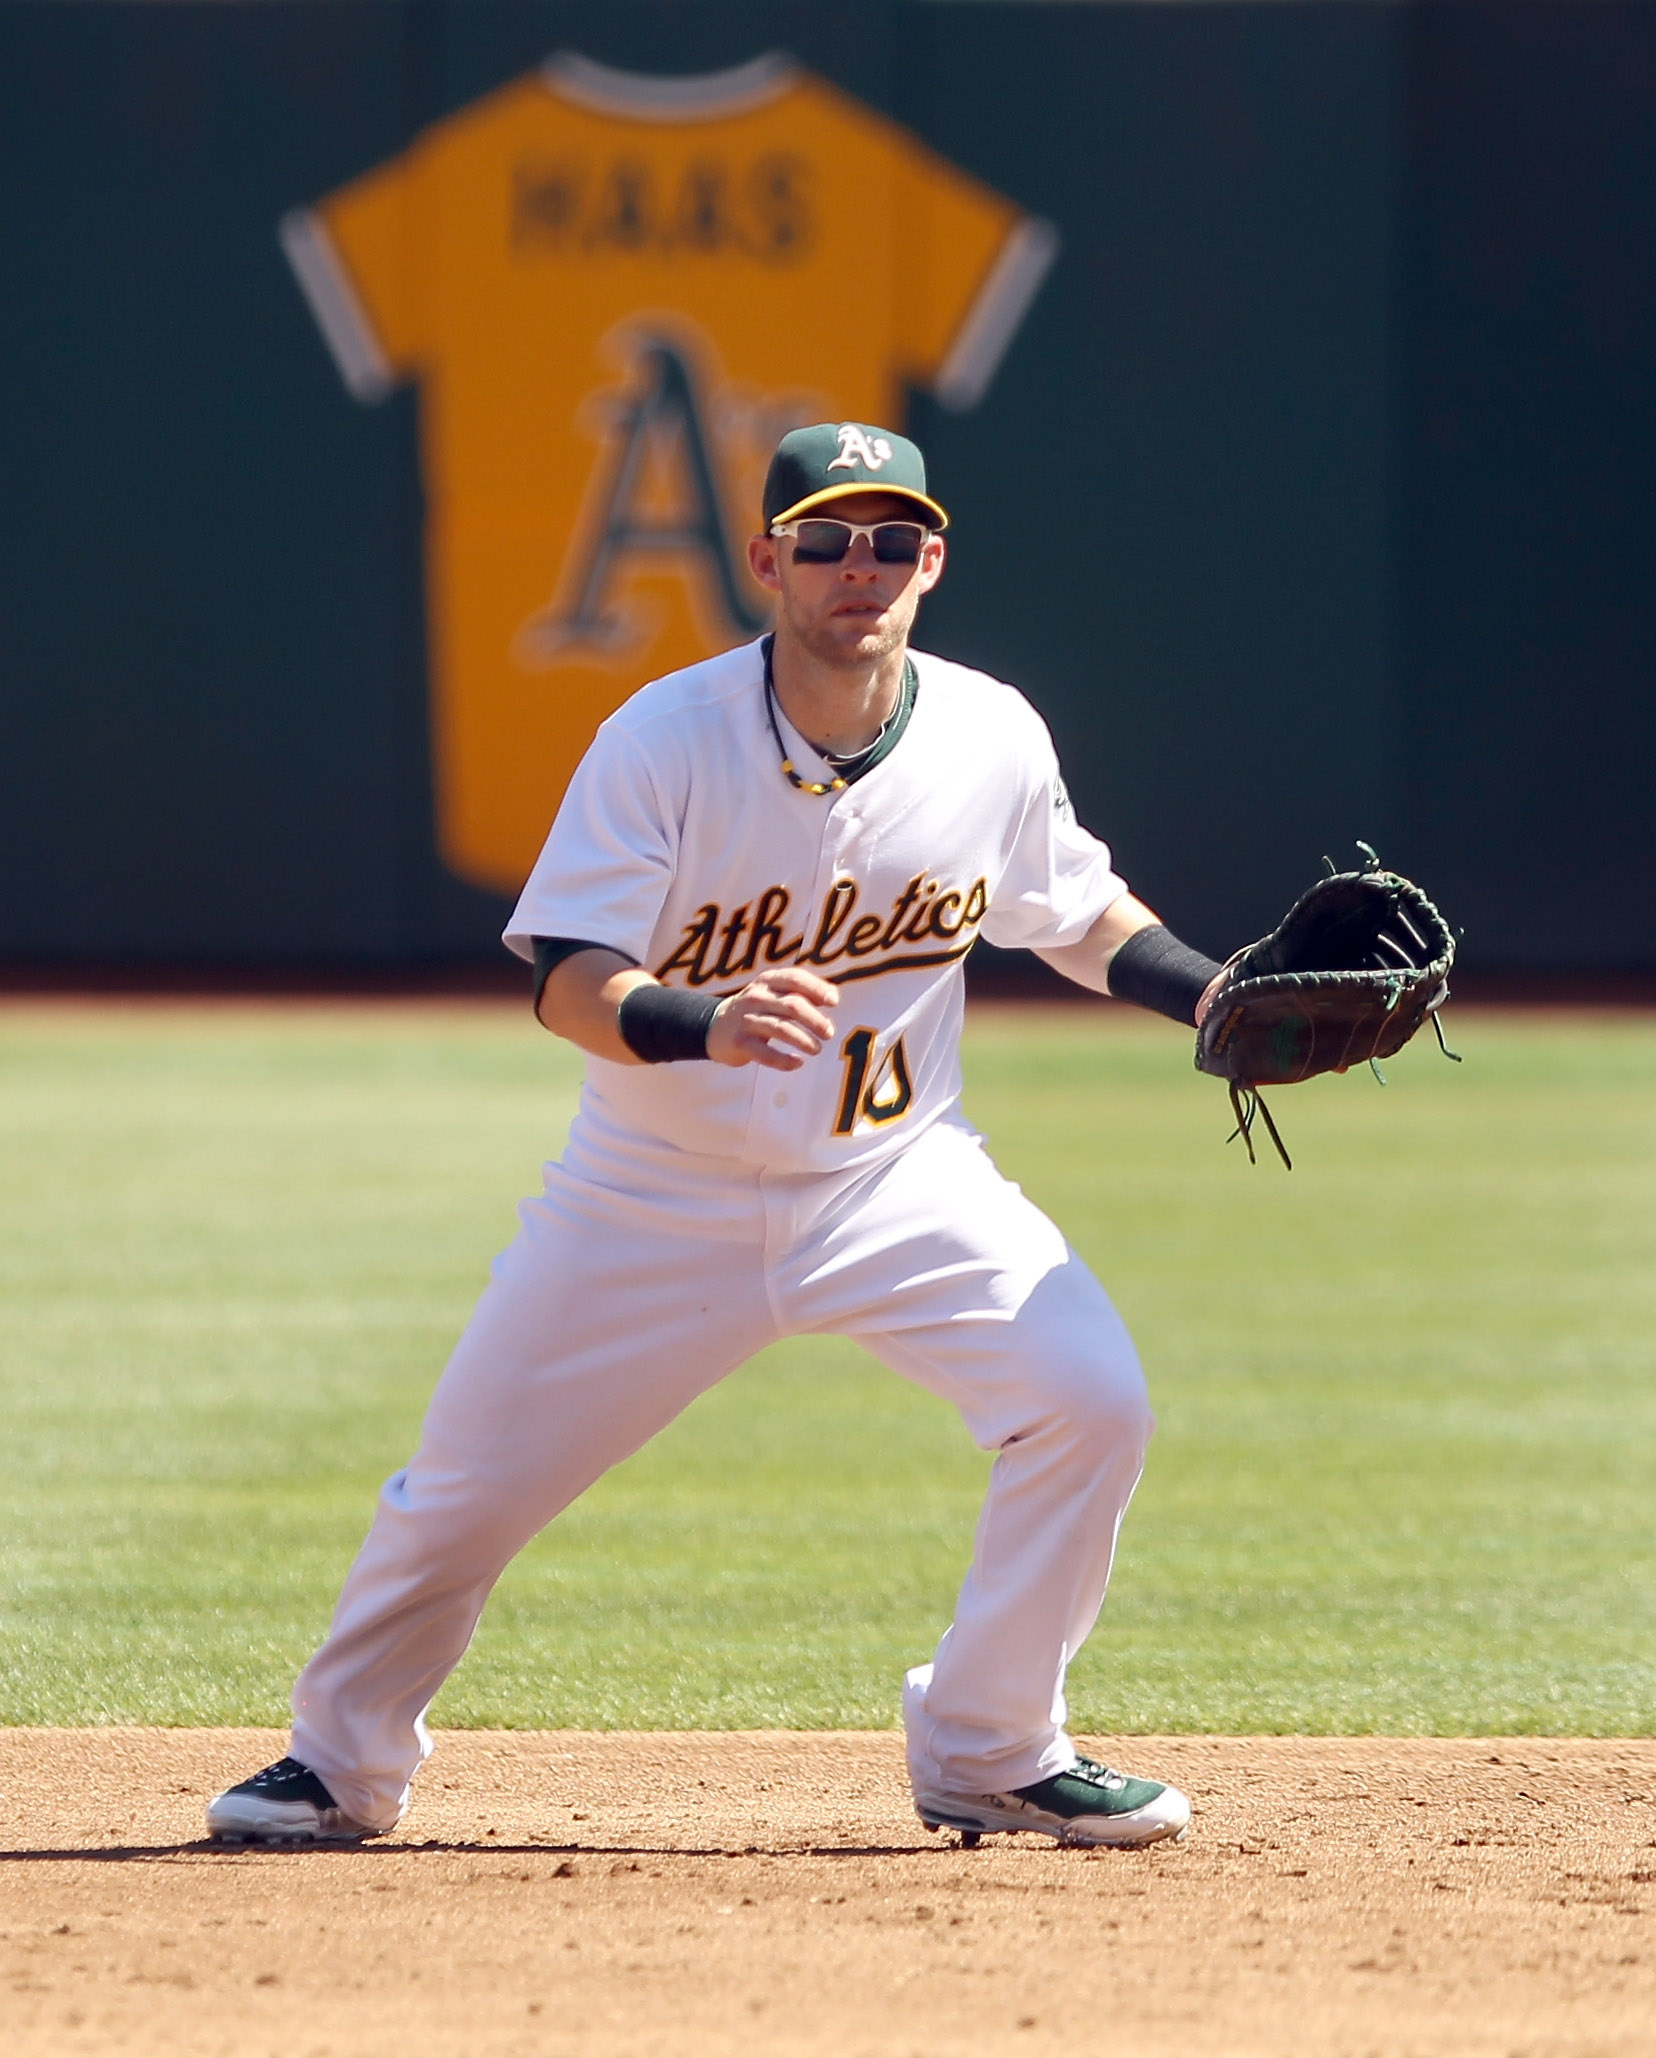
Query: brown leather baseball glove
[1348,975]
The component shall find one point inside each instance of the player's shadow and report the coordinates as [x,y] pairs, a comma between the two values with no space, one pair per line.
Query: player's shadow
[480,1847]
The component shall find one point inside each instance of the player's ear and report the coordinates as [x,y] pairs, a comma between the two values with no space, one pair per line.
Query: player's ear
[934,555]
[764,555]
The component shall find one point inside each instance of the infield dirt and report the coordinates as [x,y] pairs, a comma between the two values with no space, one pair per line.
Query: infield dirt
[581,1895]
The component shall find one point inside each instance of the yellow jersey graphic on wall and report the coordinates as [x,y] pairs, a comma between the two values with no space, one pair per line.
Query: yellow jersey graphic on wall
[617,293]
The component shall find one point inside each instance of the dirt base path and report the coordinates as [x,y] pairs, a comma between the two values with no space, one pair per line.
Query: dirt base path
[693,1896]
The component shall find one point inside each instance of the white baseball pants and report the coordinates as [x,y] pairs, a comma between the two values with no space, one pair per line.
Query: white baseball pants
[637,1280]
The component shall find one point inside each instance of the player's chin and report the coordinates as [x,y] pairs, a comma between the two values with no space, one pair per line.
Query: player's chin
[860,638]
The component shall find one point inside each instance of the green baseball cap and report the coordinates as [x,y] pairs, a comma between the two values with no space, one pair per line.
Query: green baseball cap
[831,460]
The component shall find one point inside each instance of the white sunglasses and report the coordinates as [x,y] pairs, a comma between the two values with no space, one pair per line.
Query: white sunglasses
[818,541]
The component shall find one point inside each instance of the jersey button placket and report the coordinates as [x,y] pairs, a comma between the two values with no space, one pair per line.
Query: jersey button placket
[842,858]
[771,1134]
[838,825]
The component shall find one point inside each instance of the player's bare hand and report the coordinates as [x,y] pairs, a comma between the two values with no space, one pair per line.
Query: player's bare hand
[1210,993]
[777,1021]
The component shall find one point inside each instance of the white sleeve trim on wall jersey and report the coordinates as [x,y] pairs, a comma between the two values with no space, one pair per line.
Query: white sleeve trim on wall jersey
[1014,279]
[700,96]
[339,314]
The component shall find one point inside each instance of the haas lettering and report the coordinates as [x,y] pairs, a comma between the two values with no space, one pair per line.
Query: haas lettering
[707,207]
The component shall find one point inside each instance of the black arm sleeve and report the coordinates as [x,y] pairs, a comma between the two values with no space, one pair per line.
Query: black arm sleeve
[1153,969]
[550,952]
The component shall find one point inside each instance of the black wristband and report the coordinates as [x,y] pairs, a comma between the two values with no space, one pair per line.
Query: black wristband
[662,1024]
[1153,969]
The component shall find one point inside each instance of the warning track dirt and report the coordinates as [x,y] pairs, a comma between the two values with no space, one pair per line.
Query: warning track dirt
[583,1895]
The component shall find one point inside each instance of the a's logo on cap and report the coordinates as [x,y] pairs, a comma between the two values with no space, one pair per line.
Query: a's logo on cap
[857,448]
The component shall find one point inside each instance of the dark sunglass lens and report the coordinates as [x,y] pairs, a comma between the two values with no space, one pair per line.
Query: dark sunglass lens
[821,543]
[899,543]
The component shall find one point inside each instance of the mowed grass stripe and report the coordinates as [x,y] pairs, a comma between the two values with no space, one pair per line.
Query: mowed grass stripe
[1407,1423]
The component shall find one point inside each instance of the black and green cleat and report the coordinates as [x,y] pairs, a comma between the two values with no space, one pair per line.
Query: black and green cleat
[1088,1804]
[284,1804]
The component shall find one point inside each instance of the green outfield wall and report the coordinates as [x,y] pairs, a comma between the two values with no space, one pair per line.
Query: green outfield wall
[1310,491]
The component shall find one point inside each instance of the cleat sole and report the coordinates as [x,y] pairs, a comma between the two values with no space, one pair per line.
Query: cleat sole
[1166,1818]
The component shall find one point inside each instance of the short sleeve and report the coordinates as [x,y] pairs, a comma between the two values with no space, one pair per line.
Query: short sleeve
[605,870]
[966,240]
[1060,877]
[376,228]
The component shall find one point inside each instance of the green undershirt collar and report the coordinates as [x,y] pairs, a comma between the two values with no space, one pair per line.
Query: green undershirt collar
[851,769]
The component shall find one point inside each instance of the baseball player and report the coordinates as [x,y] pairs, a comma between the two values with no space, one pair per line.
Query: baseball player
[752,913]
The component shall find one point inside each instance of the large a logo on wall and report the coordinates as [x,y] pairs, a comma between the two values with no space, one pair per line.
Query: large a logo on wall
[617,293]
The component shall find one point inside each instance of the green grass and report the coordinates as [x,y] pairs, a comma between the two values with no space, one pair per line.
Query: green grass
[1402,1482]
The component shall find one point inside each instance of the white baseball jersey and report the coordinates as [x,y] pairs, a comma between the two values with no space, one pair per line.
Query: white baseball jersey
[681,844]
[702,1212]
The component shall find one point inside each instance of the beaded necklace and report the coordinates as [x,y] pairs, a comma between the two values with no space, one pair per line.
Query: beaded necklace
[858,761]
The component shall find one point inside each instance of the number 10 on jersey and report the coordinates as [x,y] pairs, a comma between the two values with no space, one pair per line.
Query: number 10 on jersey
[877,1089]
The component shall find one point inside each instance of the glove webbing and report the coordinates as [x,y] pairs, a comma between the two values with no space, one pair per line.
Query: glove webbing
[1246,1103]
